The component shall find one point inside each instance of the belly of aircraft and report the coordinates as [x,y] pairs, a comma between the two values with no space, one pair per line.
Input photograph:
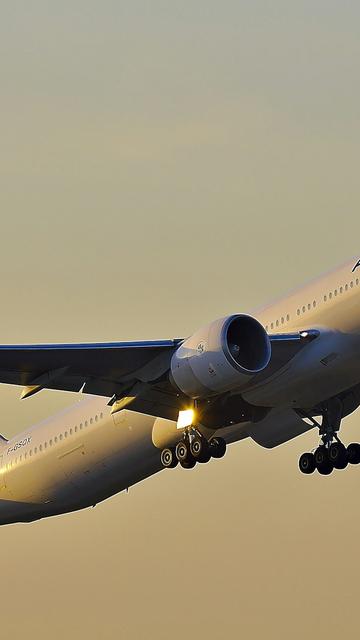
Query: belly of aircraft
[107,462]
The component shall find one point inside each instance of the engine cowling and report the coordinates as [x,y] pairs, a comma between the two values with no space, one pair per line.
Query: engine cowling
[220,357]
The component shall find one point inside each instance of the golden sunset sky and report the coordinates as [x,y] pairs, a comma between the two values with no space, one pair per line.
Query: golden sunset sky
[163,164]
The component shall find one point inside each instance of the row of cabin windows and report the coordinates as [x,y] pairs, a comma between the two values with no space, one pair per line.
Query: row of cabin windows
[312,305]
[55,440]
[341,290]
[282,320]
[306,307]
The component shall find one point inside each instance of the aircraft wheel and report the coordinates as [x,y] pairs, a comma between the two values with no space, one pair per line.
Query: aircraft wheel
[168,458]
[323,464]
[182,452]
[307,463]
[325,469]
[217,447]
[199,447]
[320,455]
[338,455]
[188,464]
[353,453]
[204,457]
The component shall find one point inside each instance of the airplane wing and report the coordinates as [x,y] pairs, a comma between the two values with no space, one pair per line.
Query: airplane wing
[96,368]
[127,372]
[285,346]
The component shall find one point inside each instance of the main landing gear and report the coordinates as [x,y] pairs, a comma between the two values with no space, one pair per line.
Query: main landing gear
[191,449]
[331,453]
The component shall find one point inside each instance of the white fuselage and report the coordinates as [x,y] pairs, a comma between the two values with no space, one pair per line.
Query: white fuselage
[86,454]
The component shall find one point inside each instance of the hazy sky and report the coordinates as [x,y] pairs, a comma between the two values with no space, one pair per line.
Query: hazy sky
[161,164]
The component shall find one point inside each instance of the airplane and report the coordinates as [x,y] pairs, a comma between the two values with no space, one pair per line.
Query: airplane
[292,367]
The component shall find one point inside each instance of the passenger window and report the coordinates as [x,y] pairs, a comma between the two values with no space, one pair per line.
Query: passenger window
[91,420]
[304,309]
[341,290]
[96,418]
[75,429]
[330,295]
[30,452]
[86,423]
[357,281]
[81,426]
[101,415]
[35,450]
[335,292]
[272,325]
[325,298]
[346,287]
[61,436]
[40,447]
[71,432]
[314,304]
[298,312]
[25,455]
[277,323]
[351,284]
[287,319]
[55,439]
[66,434]
[282,320]
[45,445]
[309,306]
[50,442]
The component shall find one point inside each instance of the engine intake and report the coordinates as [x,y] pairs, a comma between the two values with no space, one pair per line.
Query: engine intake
[222,356]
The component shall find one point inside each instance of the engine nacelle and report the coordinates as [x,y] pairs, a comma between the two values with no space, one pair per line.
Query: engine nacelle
[222,356]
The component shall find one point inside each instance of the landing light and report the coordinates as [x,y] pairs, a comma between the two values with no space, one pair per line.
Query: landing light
[185,419]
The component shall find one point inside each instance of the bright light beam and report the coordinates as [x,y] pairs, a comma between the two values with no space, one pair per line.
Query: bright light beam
[185,419]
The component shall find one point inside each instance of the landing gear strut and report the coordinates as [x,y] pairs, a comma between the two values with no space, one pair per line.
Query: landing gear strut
[331,452]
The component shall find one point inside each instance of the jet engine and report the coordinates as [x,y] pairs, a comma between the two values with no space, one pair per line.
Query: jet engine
[222,356]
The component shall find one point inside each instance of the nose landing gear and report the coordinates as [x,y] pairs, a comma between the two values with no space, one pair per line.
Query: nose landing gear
[331,453]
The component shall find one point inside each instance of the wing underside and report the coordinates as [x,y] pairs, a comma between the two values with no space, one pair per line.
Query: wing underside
[132,373]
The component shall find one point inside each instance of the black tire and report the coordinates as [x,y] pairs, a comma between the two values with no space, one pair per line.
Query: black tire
[321,455]
[198,447]
[353,453]
[188,464]
[182,451]
[325,469]
[323,464]
[204,457]
[168,458]
[307,463]
[338,455]
[217,447]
